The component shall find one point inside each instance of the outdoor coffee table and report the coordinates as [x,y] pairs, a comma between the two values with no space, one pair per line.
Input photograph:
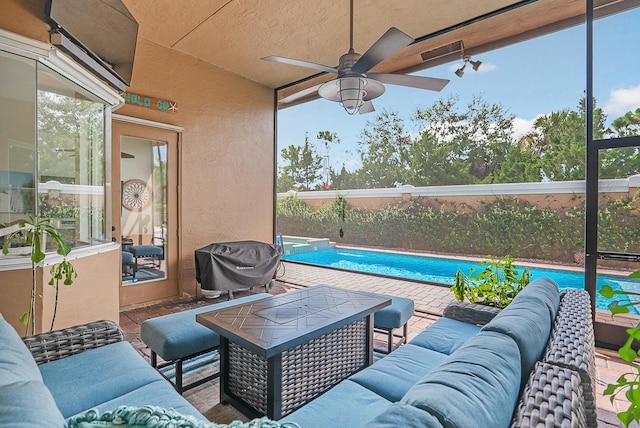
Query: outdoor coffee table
[278,353]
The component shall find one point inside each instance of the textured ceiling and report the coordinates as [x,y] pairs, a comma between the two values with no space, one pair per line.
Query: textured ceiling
[235,34]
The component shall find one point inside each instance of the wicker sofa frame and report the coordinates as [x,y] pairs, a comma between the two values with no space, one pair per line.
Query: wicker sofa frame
[51,346]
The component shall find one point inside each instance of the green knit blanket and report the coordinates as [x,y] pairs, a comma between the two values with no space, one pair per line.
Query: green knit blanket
[158,417]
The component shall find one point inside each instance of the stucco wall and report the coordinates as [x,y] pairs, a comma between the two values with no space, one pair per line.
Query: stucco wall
[226,154]
[92,296]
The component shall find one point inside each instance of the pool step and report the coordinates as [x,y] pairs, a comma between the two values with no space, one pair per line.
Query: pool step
[299,245]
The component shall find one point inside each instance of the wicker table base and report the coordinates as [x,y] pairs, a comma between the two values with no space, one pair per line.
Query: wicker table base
[306,371]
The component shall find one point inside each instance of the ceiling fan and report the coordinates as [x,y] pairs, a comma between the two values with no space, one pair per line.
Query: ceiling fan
[355,87]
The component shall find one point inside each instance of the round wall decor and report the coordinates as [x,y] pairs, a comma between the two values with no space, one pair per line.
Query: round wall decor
[135,195]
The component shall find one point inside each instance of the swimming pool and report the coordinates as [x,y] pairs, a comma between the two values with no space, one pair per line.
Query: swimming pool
[442,270]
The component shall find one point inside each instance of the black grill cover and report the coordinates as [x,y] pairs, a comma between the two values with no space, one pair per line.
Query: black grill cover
[233,265]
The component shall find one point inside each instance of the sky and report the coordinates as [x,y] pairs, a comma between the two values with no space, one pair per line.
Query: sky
[528,79]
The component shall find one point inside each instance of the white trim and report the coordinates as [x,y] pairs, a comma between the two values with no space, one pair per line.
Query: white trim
[24,262]
[621,185]
[145,122]
[60,63]
[23,46]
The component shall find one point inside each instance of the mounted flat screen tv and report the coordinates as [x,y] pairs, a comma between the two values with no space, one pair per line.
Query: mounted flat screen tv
[100,34]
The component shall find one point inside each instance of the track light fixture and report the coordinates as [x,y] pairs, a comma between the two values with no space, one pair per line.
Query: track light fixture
[466,60]
[475,64]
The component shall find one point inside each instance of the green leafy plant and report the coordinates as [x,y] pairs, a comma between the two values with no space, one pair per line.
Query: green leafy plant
[496,284]
[627,381]
[34,232]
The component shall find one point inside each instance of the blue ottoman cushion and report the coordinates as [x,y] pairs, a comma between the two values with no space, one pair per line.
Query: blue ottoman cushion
[145,250]
[395,315]
[178,335]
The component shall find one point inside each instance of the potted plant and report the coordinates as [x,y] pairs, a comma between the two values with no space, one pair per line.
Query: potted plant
[34,233]
[495,285]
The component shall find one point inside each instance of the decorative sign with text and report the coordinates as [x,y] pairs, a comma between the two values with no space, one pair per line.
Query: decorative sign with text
[148,102]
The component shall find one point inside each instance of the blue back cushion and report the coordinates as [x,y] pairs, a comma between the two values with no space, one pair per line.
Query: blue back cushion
[528,320]
[474,385]
[16,362]
[24,399]
[28,404]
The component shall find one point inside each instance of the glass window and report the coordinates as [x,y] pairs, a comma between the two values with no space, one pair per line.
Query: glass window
[17,138]
[71,155]
[52,140]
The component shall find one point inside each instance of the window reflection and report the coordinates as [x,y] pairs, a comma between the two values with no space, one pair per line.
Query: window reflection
[144,209]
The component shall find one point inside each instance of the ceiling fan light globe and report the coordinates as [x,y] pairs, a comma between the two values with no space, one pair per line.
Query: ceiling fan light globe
[351,92]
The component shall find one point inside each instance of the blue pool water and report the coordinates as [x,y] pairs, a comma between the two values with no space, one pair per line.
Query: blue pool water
[441,270]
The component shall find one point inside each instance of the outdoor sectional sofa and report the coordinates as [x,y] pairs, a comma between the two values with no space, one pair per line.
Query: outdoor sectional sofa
[86,376]
[531,363]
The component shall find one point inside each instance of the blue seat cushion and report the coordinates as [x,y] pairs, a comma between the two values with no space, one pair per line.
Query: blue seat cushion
[392,376]
[127,258]
[395,315]
[93,377]
[474,386]
[158,393]
[347,404]
[178,335]
[445,335]
[402,415]
[28,404]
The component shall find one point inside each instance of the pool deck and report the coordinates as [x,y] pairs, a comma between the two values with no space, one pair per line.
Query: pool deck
[430,301]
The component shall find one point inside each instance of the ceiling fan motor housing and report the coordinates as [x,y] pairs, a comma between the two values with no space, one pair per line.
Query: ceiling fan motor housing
[346,62]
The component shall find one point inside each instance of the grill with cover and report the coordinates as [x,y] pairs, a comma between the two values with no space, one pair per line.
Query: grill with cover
[228,266]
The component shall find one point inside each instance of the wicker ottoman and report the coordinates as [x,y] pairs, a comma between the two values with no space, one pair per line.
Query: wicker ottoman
[392,317]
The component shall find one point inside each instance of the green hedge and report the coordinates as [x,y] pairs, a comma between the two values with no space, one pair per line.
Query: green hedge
[506,226]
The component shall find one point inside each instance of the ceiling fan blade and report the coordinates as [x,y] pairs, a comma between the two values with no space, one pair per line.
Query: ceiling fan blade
[390,42]
[429,83]
[300,63]
[367,107]
[300,94]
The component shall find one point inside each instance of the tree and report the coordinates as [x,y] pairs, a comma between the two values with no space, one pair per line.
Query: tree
[344,179]
[521,165]
[384,151]
[627,125]
[559,139]
[460,147]
[304,168]
[624,161]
